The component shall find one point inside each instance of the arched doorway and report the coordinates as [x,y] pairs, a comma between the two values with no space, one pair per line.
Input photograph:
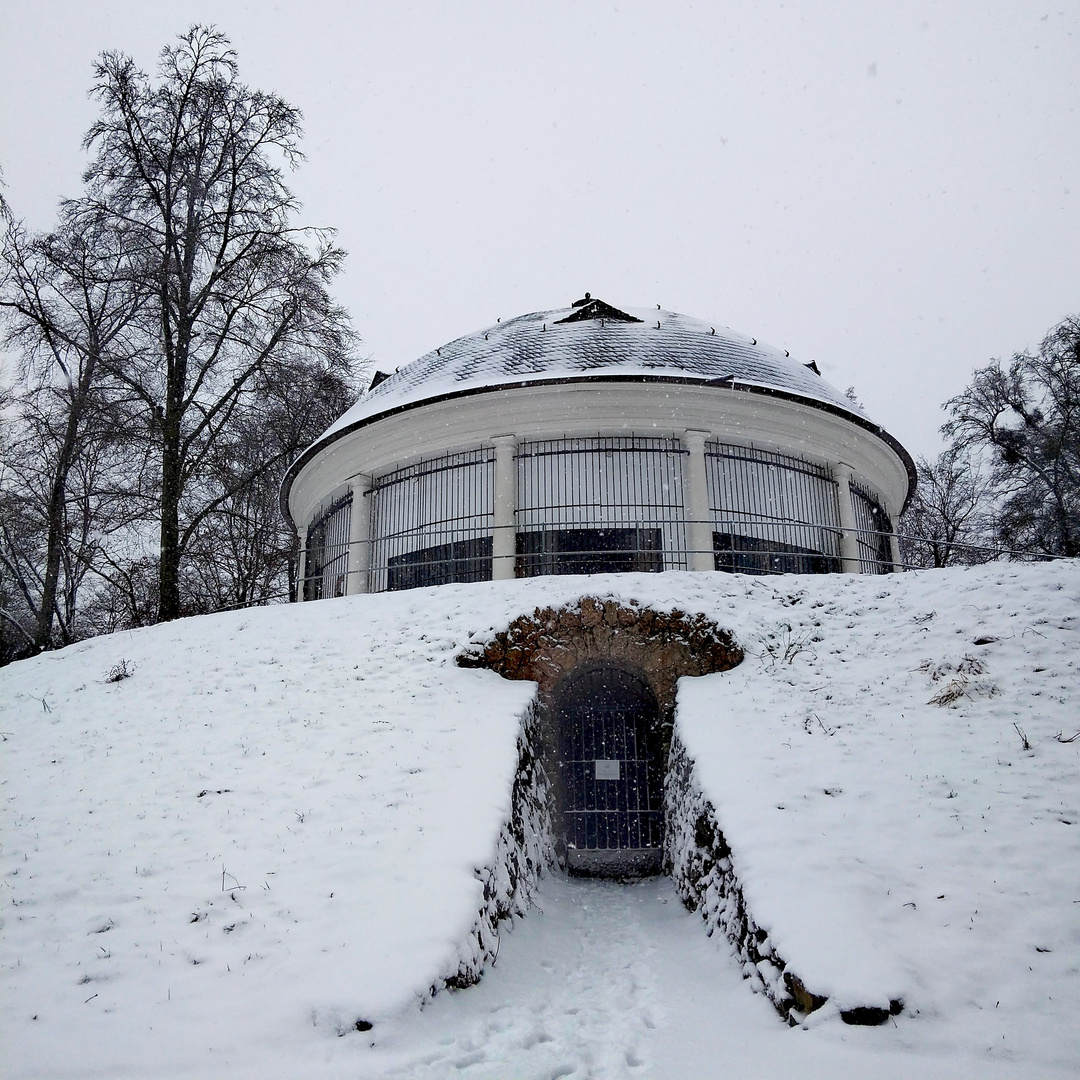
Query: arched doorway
[610,772]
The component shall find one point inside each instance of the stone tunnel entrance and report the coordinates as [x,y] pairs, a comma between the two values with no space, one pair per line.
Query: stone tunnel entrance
[606,674]
[609,787]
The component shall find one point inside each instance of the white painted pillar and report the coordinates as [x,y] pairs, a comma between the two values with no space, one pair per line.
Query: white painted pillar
[504,535]
[301,567]
[356,580]
[849,545]
[698,516]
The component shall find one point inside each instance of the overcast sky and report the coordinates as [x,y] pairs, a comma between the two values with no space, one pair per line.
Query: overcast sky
[892,190]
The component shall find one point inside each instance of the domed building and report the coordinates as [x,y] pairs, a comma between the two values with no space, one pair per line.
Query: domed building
[590,439]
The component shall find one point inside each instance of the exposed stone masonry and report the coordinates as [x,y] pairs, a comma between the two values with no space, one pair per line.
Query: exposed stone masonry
[523,852]
[698,858]
[662,646]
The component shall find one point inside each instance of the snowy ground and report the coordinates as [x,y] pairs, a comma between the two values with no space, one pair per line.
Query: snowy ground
[272,828]
[608,981]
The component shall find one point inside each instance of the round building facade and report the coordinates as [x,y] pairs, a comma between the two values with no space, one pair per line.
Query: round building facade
[591,439]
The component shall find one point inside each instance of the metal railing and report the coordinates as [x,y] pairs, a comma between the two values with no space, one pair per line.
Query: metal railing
[326,554]
[431,523]
[589,505]
[873,530]
[771,513]
[457,564]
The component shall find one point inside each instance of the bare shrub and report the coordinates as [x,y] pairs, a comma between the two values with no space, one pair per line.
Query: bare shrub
[120,672]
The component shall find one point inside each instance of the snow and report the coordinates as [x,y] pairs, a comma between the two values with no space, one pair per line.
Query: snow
[280,824]
[610,981]
[536,347]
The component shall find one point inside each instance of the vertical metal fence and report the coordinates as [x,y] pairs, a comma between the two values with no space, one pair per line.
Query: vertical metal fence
[594,505]
[872,532]
[771,513]
[326,561]
[431,523]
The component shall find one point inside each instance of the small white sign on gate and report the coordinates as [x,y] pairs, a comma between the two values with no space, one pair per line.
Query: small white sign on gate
[607,770]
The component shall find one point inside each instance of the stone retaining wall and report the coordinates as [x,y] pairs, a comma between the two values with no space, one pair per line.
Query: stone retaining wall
[698,858]
[522,854]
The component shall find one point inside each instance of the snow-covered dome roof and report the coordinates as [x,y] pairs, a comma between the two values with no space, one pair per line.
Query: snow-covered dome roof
[588,340]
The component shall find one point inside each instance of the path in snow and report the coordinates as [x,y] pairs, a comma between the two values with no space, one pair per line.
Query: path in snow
[610,980]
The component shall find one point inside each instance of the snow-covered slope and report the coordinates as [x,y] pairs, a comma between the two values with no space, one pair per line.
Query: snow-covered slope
[278,823]
[887,823]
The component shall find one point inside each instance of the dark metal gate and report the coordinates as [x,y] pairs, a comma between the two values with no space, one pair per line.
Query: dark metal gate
[326,560]
[431,522]
[771,513]
[600,505]
[610,782]
[872,532]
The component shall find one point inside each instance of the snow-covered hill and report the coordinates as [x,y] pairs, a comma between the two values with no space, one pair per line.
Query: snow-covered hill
[282,821]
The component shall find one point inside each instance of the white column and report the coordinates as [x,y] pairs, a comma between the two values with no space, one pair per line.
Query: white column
[504,536]
[359,537]
[301,567]
[849,545]
[698,516]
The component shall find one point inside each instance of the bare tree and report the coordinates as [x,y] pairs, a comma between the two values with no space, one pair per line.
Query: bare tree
[243,553]
[67,315]
[20,556]
[1026,417]
[948,520]
[178,347]
[231,296]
